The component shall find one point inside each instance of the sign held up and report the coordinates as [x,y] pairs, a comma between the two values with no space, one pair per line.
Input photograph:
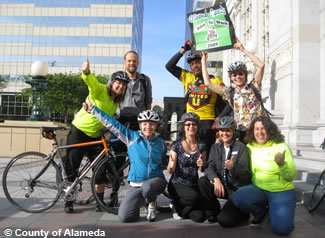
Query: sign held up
[212,29]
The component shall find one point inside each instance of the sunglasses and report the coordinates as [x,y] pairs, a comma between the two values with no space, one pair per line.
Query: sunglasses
[241,73]
[190,124]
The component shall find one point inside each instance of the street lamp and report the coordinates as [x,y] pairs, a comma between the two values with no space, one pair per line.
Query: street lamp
[39,83]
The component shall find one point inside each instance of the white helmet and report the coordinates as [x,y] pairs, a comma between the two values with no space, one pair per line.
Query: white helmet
[148,115]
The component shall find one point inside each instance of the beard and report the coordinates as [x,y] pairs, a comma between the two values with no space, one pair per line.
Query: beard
[131,69]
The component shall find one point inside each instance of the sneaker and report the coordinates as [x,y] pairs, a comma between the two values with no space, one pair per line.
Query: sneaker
[257,221]
[152,213]
[68,207]
[175,214]
[212,219]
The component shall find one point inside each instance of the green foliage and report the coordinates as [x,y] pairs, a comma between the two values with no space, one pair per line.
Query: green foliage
[65,94]
[3,81]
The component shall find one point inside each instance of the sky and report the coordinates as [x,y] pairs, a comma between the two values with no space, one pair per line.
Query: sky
[163,36]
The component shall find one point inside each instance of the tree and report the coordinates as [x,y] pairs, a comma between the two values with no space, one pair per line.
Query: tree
[3,81]
[65,93]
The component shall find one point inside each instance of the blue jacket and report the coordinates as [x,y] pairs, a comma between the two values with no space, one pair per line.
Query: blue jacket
[146,158]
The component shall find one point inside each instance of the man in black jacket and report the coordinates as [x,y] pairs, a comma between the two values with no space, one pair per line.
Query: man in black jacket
[227,170]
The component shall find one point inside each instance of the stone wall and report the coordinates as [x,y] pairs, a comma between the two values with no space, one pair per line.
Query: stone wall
[22,136]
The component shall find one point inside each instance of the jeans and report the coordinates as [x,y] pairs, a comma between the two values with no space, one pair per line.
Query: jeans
[281,205]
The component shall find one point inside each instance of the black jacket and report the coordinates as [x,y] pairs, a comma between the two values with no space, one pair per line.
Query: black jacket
[240,175]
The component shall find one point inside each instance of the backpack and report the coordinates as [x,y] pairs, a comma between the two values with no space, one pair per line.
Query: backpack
[143,81]
[265,112]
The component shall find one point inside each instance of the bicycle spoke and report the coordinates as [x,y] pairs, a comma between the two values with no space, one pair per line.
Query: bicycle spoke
[23,191]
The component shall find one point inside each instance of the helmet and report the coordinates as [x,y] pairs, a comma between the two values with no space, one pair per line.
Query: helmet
[192,57]
[148,115]
[120,76]
[237,66]
[190,116]
[226,123]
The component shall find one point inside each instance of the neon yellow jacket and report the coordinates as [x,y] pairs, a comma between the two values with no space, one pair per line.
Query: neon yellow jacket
[266,174]
[87,122]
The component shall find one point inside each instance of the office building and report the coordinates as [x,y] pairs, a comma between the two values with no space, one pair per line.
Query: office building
[63,33]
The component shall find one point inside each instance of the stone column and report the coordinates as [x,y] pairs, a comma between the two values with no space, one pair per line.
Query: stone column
[319,134]
[303,104]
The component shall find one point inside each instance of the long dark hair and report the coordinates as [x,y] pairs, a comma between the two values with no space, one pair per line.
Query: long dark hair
[117,98]
[273,132]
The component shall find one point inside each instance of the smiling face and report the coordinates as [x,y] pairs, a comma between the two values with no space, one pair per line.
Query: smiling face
[196,67]
[238,78]
[118,87]
[260,134]
[226,135]
[190,128]
[131,62]
[148,129]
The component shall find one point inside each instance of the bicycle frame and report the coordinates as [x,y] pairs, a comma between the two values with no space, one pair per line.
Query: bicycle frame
[57,149]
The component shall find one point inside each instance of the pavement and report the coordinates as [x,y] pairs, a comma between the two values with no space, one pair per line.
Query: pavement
[86,222]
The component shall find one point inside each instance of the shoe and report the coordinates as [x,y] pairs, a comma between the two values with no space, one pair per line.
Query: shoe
[212,219]
[152,213]
[68,207]
[174,212]
[258,220]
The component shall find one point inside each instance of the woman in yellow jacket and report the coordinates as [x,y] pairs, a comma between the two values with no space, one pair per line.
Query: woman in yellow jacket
[85,126]
[273,171]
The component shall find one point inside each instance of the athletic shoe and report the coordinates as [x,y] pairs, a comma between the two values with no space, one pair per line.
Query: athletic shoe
[152,213]
[68,207]
[175,214]
[258,220]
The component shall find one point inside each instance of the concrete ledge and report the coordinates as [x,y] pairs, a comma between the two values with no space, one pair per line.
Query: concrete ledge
[22,136]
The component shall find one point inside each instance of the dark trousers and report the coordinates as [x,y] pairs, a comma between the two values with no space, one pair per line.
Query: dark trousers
[207,134]
[210,201]
[75,155]
[187,201]
[229,215]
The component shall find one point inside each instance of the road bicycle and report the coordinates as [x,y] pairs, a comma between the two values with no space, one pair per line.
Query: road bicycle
[34,182]
[318,193]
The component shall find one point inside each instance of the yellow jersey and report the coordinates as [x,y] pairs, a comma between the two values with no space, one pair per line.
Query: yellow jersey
[201,99]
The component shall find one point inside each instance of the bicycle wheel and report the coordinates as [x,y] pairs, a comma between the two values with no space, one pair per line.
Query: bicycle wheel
[115,188]
[84,195]
[25,192]
[318,193]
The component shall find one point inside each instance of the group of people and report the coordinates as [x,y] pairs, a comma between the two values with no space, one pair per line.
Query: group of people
[249,165]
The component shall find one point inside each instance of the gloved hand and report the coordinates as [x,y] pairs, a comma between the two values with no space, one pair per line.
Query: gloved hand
[187,45]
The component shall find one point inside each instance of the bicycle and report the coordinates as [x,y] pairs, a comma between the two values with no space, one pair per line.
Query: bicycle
[34,182]
[318,193]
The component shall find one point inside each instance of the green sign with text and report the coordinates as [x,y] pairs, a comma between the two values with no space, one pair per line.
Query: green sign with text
[212,29]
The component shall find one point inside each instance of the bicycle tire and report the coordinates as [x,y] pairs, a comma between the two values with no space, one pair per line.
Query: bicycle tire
[17,187]
[84,195]
[318,194]
[110,202]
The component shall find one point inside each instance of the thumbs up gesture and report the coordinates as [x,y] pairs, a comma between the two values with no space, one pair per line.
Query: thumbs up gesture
[85,67]
[279,158]
[229,164]
[200,162]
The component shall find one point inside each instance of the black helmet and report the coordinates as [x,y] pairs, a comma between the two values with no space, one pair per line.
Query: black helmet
[148,115]
[226,123]
[193,56]
[120,76]
[190,116]
[237,66]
